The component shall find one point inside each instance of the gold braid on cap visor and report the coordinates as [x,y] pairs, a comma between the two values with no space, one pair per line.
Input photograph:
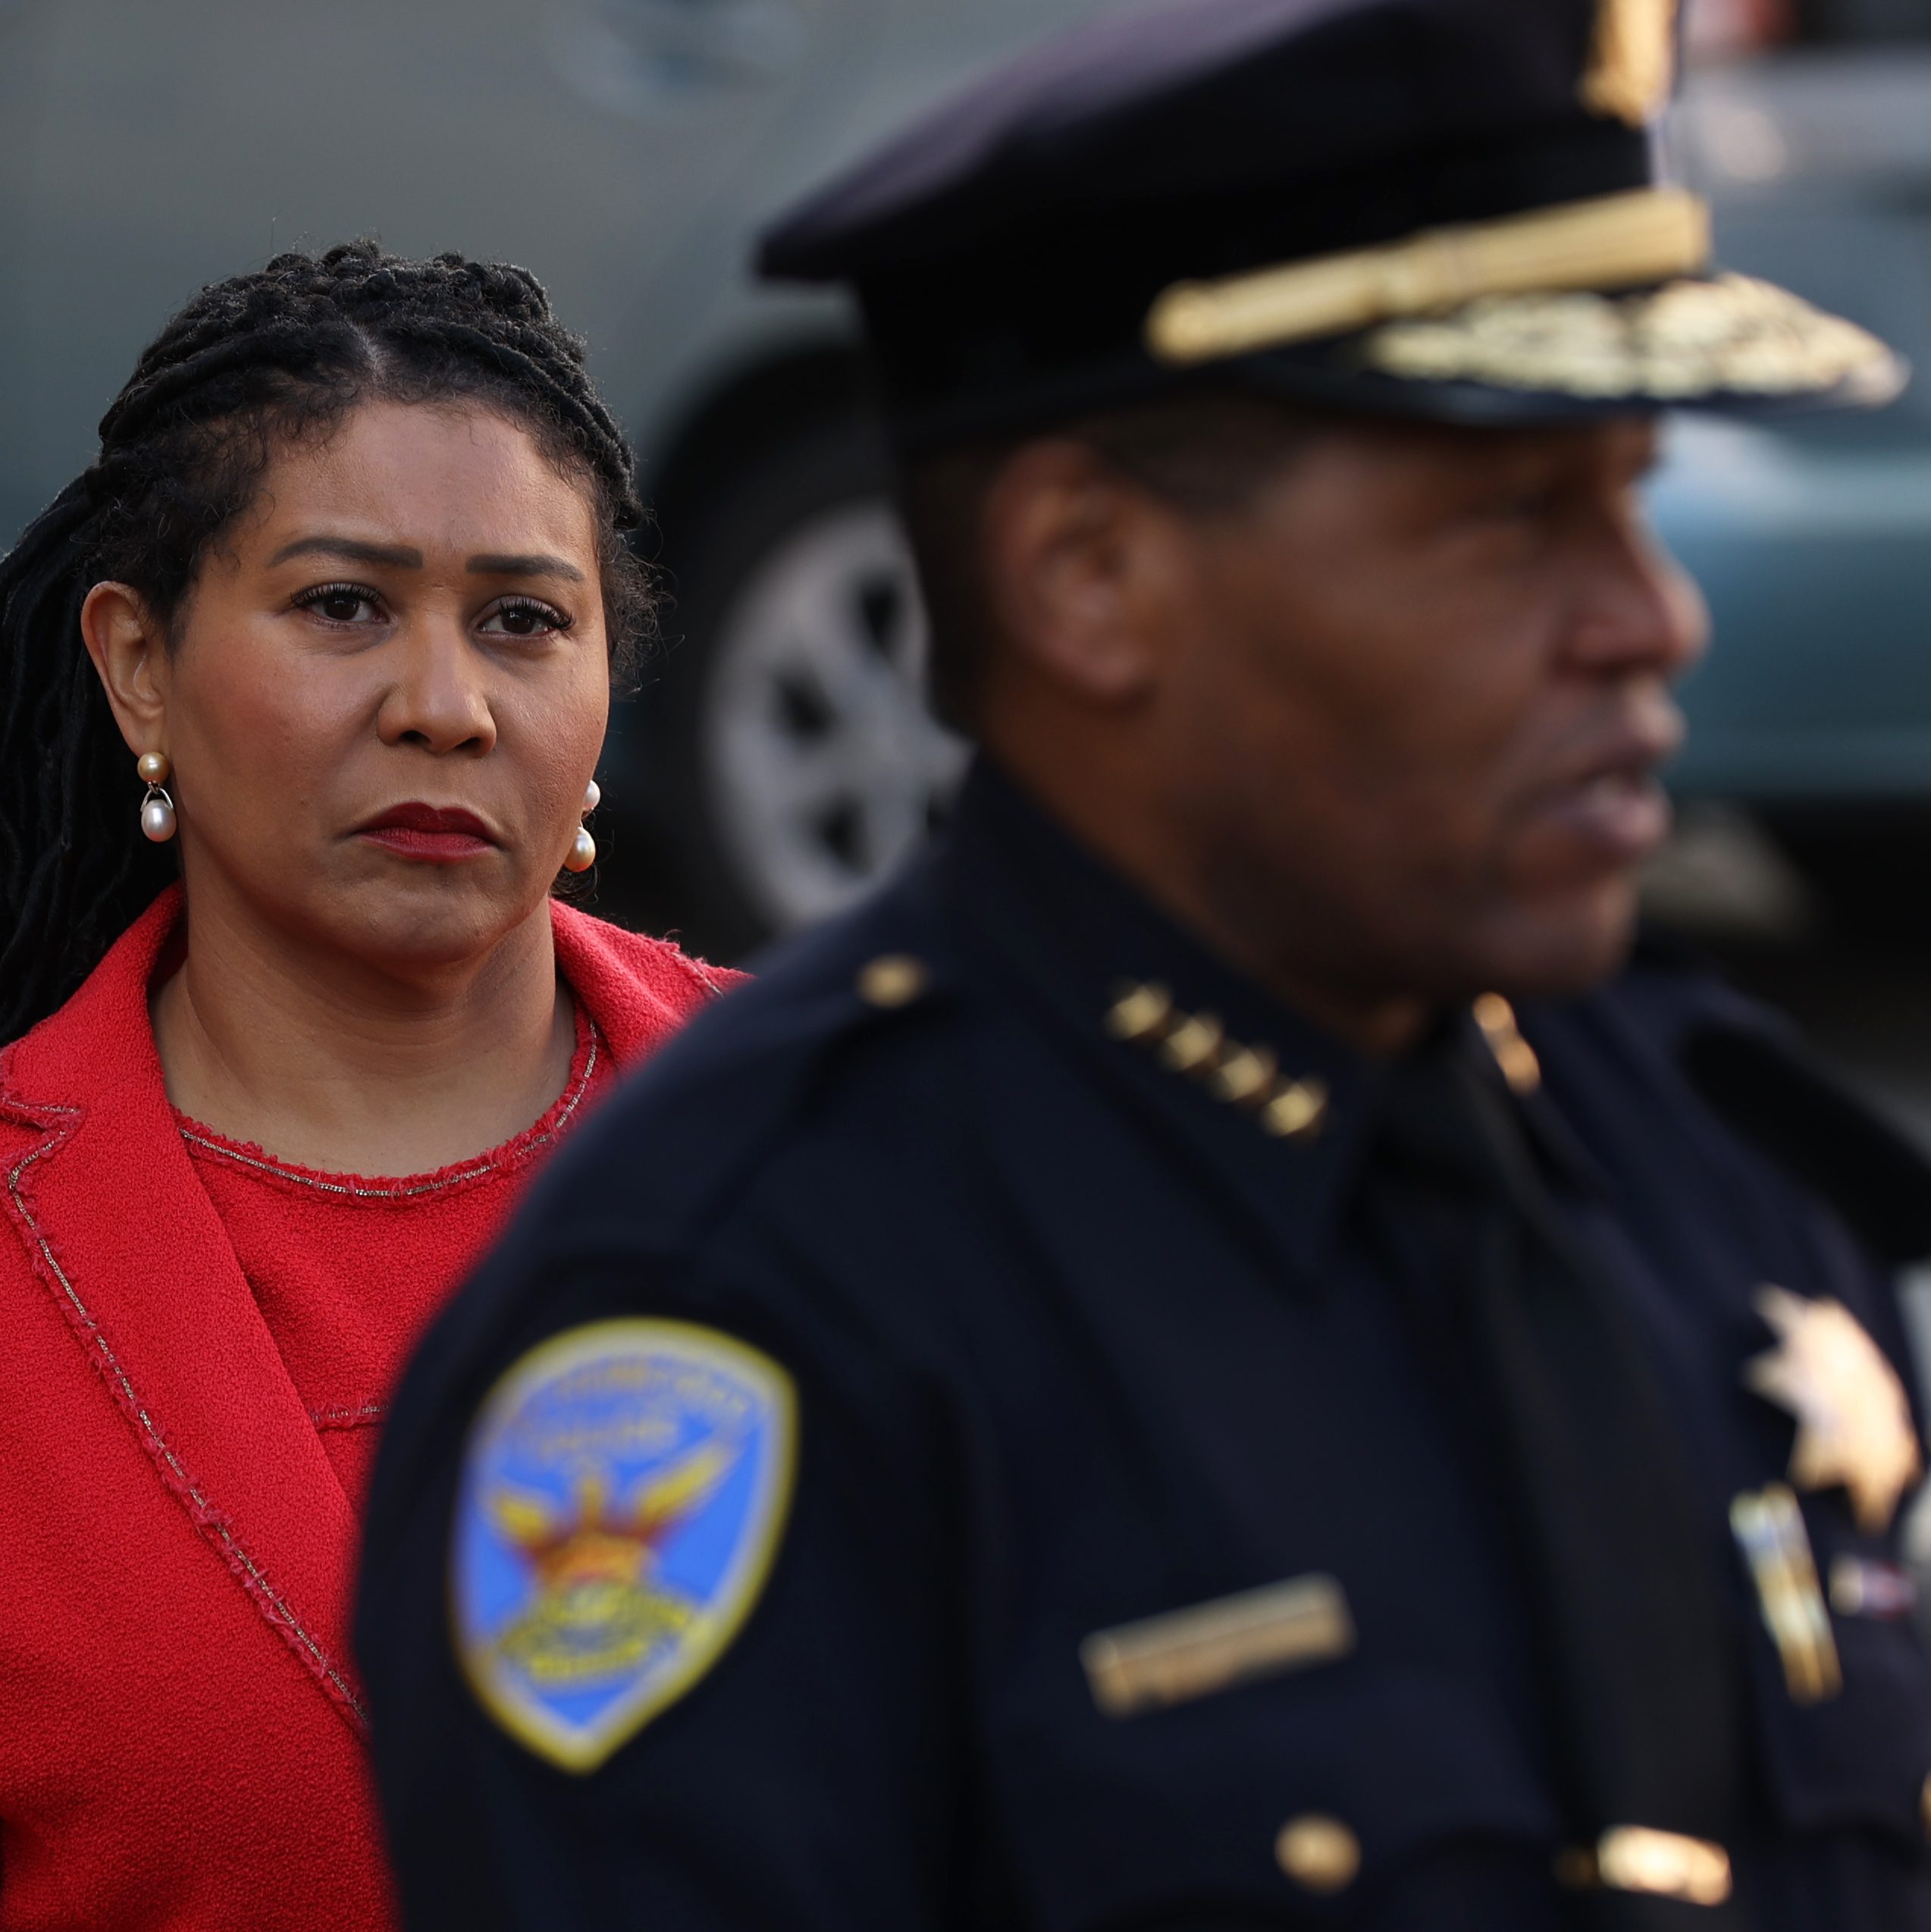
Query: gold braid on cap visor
[1522,303]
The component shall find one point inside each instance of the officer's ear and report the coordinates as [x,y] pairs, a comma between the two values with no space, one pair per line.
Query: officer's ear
[1083,570]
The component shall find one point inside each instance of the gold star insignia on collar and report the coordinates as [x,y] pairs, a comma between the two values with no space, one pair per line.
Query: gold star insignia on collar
[1248,1078]
[1854,1421]
[1513,1054]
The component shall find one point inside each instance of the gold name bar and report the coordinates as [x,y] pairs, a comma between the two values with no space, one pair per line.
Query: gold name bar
[1616,241]
[1190,1653]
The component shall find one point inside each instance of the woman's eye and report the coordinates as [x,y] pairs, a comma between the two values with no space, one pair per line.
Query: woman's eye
[340,604]
[522,618]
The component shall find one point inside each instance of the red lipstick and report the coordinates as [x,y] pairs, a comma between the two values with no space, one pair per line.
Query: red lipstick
[443,834]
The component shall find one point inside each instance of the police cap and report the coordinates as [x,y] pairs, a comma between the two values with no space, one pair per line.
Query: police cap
[1442,208]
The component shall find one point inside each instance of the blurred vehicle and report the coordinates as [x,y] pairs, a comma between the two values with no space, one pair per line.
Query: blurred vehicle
[1810,129]
[779,758]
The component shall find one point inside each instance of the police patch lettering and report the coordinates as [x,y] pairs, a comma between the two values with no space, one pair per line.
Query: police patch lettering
[623,1492]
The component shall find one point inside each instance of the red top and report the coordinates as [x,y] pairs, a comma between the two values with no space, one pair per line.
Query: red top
[348,1271]
[183,1742]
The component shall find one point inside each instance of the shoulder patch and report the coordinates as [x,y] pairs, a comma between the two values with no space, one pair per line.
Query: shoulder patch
[624,1489]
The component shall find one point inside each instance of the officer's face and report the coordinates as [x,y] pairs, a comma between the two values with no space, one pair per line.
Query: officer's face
[1392,726]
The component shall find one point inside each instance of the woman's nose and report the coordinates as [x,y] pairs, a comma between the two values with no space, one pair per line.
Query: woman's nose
[437,700]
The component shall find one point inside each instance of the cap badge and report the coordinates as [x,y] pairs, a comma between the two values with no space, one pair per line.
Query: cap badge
[1632,60]
[1854,1420]
[623,1491]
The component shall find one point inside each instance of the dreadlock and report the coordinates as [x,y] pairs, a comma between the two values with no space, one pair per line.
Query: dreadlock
[250,365]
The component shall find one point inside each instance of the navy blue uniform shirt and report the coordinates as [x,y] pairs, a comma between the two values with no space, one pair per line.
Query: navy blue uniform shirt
[1144,1565]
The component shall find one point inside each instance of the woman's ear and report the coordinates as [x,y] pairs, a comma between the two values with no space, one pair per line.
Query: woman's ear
[130,655]
[1075,562]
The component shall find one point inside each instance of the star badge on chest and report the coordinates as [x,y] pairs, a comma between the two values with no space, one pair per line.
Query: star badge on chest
[1853,1421]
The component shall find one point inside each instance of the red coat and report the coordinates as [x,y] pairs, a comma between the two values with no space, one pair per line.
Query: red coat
[181,1733]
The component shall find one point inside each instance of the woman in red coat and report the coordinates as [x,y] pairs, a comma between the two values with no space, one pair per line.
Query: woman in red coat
[302,687]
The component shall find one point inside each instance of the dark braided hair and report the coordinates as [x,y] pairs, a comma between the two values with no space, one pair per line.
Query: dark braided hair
[250,365]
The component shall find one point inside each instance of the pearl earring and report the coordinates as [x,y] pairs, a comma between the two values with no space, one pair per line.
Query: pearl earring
[583,847]
[157,808]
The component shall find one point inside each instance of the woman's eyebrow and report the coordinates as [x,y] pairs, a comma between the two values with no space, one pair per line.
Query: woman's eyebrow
[493,563]
[398,557]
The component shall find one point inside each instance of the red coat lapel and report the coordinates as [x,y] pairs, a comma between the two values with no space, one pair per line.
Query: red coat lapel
[123,1238]
[638,990]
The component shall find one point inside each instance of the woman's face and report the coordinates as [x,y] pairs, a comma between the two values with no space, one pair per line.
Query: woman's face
[389,688]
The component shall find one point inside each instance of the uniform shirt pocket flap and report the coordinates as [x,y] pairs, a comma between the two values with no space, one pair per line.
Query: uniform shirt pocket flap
[1285,1793]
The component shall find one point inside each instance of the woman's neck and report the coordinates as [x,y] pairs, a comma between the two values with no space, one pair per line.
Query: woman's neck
[332,1063]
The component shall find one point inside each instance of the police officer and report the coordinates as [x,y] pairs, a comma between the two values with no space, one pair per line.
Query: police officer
[1218,1356]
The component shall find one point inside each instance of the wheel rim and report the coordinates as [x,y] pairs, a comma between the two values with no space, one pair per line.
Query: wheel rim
[825,767]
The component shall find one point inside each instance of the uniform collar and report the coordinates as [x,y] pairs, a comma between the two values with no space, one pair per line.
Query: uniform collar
[1078,937]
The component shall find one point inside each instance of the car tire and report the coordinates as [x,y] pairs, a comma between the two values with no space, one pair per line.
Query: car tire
[783,754]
